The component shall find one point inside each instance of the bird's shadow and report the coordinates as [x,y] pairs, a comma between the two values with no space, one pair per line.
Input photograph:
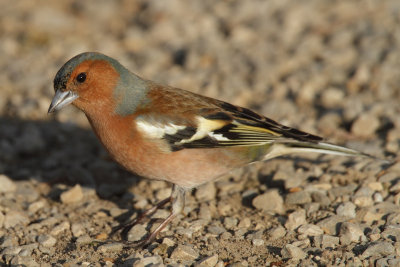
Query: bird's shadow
[63,154]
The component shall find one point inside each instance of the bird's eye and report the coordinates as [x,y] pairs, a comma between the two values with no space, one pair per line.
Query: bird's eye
[81,77]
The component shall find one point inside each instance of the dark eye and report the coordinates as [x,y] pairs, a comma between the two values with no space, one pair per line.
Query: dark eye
[81,77]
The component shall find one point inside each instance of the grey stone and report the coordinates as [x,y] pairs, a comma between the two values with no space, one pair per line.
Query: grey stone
[347,210]
[351,232]
[298,198]
[47,241]
[137,232]
[321,198]
[392,233]
[326,241]
[230,222]
[63,226]
[216,230]
[77,229]
[206,192]
[277,232]
[257,242]
[209,261]
[6,184]
[269,201]
[112,247]
[330,225]
[295,219]
[343,190]
[72,195]
[184,253]
[15,218]
[378,249]
[292,252]
[310,230]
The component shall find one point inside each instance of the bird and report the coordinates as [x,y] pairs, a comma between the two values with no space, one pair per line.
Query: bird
[166,133]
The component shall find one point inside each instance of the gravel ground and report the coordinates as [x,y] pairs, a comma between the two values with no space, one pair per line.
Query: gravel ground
[327,67]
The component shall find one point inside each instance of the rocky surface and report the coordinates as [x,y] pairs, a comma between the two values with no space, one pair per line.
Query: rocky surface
[327,67]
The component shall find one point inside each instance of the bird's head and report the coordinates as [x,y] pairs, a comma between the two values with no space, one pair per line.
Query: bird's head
[94,81]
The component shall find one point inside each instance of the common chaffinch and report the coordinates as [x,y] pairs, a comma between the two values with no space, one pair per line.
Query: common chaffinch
[165,133]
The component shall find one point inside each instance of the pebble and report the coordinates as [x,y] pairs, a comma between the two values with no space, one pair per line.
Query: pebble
[298,198]
[269,201]
[295,219]
[2,217]
[6,184]
[347,210]
[391,233]
[277,232]
[63,226]
[365,125]
[206,192]
[112,247]
[230,222]
[77,229]
[155,260]
[292,252]
[184,253]
[47,241]
[137,232]
[215,230]
[330,224]
[257,242]
[37,205]
[310,230]
[326,241]
[321,198]
[209,261]
[351,232]
[82,240]
[378,249]
[72,195]
[15,218]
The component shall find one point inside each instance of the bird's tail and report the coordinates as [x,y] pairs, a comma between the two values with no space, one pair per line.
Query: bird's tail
[284,148]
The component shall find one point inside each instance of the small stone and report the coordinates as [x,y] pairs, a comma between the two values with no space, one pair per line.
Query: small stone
[347,210]
[350,232]
[365,125]
[320,198]
[363,201]
[15,218]
[216,230]
[392,233]
[330,224]
[292,252]
[295,219]
[77,229]
[150,261]
[47,241]
[205,212]
[326,241]
[83,240]
[310,230]
[230,222]
[378,249]
[60,228]
[36,206]
[168,241]
[184,253]
[6,184]
[269,201]
[376,186]
[206,192]
[2,217]
[277,232]
[244,223]
[112,247]
[72,195]
[209,261]
[137,232]
[298,198]
[257,242]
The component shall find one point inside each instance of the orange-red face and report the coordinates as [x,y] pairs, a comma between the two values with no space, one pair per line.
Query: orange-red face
[87,81]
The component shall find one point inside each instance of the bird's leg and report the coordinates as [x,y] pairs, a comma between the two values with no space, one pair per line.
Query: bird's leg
[178,203]
[145,214]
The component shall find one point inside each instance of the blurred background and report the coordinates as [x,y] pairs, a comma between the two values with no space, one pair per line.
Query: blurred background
[327,67]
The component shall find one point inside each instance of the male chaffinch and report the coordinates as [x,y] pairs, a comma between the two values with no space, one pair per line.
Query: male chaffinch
[170,134]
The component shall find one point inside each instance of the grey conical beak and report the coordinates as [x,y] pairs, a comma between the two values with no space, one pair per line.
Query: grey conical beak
[62,99]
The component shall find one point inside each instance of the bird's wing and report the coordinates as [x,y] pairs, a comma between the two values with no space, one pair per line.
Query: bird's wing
[200,122]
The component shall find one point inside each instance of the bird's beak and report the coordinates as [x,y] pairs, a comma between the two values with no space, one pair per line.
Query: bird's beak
[61,99]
